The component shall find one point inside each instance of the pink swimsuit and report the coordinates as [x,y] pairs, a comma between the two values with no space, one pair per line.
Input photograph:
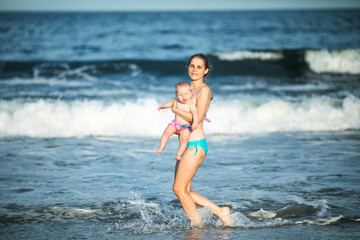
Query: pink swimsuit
[179,127]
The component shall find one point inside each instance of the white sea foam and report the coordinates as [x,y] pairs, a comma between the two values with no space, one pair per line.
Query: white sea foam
[240,220]
[45,118]
[263,214]
[314,114]
[322,205]
[81,118]
[241,55]
[151,218]
[332,61]
[335,61]
[280,87]
[321,221]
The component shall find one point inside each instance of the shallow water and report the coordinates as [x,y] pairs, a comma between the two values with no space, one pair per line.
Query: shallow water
[114,187]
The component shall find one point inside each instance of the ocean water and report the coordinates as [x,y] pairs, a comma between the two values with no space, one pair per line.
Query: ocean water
[79,124]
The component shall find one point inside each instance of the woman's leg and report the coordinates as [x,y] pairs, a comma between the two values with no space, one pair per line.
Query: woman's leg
[185,171]
[223,213]
[168,132]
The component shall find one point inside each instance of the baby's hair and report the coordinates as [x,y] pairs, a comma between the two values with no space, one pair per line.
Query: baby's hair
[181,84]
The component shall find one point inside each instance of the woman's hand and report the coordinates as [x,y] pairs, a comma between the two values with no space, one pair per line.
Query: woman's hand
[181,113]
[174,105]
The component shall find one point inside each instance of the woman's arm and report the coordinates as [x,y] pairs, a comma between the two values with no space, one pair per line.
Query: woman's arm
[203,102]
[194,113]
[183,114]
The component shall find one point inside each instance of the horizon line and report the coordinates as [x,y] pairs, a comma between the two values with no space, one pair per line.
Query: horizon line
[180,10]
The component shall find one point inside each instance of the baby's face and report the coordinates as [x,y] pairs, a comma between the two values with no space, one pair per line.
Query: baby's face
[183,94]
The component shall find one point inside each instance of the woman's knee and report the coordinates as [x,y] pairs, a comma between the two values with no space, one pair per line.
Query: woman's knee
[176,189]
[179,190]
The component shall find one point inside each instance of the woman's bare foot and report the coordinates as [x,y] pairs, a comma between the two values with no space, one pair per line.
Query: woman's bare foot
[194,218]
[225,216]
[197,224]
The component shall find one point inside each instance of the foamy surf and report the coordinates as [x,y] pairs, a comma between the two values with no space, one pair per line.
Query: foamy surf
[45,118]
[320,221]
[263,214]
[334,61]
[284,116]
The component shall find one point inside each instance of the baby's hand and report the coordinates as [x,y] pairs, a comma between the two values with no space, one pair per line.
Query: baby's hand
[161,107]
[194,126]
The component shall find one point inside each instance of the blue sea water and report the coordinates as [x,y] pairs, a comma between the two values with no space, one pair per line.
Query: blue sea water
[79,124]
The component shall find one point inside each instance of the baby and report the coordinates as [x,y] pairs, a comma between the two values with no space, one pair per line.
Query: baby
[180,126]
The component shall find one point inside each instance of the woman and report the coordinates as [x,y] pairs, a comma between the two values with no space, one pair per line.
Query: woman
[194,155]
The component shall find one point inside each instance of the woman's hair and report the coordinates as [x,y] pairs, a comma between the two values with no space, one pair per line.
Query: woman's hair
[202,57]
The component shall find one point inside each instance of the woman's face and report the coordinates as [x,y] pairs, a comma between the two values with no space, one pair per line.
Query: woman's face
[197,69]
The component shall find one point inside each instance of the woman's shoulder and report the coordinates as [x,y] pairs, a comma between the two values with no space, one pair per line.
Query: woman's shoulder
[204,93]
[205,89]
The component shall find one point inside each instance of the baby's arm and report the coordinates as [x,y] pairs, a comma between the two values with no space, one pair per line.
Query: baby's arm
[195,118]
[165,105]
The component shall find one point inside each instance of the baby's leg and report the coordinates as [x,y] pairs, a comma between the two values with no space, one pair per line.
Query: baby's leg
[169,131]
[183,140]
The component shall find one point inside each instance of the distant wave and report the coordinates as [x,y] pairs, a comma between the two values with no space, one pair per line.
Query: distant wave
[141,118]
[88,70]
[345,61]
[247,62]
[242,55]
[335,61]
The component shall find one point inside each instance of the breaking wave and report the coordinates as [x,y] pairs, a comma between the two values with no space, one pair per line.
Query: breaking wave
[343,61]
[336,61]
[50,118]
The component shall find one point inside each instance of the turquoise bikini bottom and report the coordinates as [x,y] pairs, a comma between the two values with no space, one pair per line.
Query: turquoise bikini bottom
[198,143]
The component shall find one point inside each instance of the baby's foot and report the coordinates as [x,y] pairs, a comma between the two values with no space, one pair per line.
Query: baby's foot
[159,150]
[225,216]
[178,157]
